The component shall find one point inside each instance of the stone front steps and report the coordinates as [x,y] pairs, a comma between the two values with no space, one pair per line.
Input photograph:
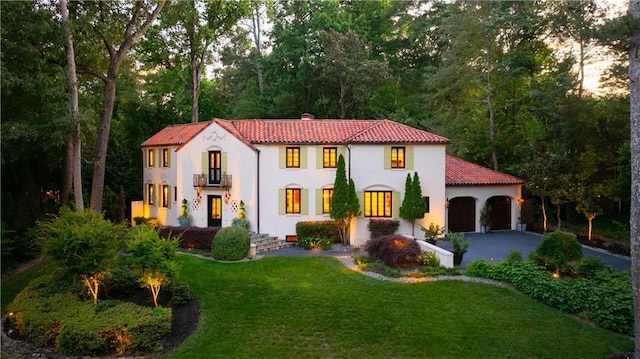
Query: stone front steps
[265,243]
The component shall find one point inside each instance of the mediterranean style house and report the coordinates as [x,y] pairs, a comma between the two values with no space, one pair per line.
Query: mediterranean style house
[282,172]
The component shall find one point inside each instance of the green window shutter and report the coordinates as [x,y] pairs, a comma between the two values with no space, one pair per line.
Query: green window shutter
[281,201]
[168,157]
[395,204]
[283,157]
[303,157]
[169,197]
[387,157]
[156,195]
[408,157]
[224,156]
[205,163]
[145,194]
[319,201]
[145,159]
[360,195]
[341,151]
[319,156]
[304,201]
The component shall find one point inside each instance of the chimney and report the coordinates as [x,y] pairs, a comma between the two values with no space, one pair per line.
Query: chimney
[307,117]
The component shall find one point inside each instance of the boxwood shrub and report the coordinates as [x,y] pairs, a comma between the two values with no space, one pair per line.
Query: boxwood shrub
[231,244]
[318,229]
[606,297]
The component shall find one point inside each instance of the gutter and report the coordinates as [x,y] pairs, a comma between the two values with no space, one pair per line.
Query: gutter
[257,190]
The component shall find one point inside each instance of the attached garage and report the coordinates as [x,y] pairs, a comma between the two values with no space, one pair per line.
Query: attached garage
[470,186]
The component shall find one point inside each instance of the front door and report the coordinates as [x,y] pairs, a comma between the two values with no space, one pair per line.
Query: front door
[214,209]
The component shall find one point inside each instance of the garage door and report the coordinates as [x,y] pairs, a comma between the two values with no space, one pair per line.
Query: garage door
[462,214]
[500,215]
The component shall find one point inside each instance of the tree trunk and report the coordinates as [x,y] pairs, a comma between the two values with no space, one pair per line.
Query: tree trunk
[67,171]
[634,89]
[544,214]
[256,42]
[102,141]
[78,194]
[492,126]
[195,88]
[110,82]
[73,166]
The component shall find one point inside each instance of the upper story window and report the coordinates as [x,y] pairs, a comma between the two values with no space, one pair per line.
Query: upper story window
[215,167]
[151,160]
[293,199]
[378,203]
[327,193]
[293,157]
[164,196]
[329,157]
[397,157]
[165,157]
[150,194]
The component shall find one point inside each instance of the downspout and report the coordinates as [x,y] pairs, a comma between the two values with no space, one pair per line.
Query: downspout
[349,161]
[257,190]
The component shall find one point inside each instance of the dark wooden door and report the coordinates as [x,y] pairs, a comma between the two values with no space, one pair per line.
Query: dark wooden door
[500,215]
[462,214]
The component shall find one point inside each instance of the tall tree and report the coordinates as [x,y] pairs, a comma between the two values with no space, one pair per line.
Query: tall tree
[412,206]
[73,154]
[344,204]
[634,89]
[127,24]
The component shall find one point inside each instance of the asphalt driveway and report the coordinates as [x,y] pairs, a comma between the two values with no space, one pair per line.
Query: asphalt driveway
[492,247]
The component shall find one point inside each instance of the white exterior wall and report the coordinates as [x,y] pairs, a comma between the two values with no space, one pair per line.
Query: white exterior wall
[369,173]
[240,164]
[157,176]
[482,193]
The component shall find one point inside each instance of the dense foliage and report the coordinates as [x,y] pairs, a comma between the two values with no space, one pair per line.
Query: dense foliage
[382,227]
[602,295]
[557,250]
[394,250]
[490,75]
[51,313]
[318,229]
[191,238]
[231,244]
[315,243]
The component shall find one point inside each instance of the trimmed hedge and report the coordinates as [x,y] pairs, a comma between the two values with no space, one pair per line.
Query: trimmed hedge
[605,297]
[191,237]
[382,227]
[76,327]
[318,229]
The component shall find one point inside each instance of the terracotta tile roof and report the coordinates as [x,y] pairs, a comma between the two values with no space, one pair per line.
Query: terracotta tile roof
[253,132]
[175,135]
[330,131]
[463,173]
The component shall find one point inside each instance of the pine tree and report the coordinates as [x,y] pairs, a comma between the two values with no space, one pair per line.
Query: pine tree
[412,207]
[344,201]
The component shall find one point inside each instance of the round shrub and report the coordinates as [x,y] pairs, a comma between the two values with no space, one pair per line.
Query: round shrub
[394,250]
[556,250]
[231,244]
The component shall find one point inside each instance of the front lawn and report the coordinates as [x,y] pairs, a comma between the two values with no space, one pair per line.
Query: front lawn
[314,307]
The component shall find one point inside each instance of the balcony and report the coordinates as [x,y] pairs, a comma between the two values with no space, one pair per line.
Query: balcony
[200,180]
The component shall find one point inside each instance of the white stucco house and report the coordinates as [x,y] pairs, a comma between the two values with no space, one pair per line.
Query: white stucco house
[283,171]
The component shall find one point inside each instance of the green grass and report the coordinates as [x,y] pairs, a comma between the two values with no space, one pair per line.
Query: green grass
[11,287]
[314,307]
[280,307]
